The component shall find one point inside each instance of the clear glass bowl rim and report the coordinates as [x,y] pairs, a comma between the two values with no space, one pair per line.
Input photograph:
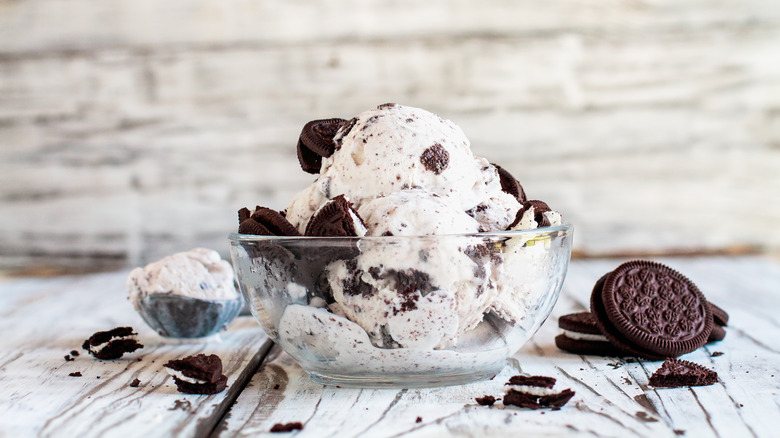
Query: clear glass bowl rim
[533,232]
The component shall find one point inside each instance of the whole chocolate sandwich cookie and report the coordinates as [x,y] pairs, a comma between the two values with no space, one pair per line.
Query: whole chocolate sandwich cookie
[199,374]
[581,335]
[112,344]
[651,311]
[675,373]
[535,392]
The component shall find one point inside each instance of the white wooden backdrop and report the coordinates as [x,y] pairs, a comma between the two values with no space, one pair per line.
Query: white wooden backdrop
[133,128]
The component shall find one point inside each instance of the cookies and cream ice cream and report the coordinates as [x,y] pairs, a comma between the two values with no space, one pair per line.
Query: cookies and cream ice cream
[199,273]
[396,175]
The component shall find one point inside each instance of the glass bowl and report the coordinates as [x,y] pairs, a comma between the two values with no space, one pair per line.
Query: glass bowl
[402,311]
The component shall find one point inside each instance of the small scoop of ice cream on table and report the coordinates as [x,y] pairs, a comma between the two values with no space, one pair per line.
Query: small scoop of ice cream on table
[186,295]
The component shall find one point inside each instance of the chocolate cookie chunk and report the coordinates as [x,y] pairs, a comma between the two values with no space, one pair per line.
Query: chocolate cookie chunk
[510,185]
[487,400]
[265,222]
[540,207]
[287,427]
[719,316]
[112,344]
[336,218]
[675,373]
[435,159]
[198,374]
[651,311]
[535,392]
[317,136]
[317,141]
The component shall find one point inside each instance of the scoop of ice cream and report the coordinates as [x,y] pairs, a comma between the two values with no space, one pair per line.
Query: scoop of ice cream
[199,273]
[415,213]
[396,148]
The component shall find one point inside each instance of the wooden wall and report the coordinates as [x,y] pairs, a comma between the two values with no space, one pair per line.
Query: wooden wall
[130,129]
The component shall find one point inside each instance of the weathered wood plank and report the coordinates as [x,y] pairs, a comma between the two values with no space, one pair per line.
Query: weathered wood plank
[613,397]
[44,319]
[643,123]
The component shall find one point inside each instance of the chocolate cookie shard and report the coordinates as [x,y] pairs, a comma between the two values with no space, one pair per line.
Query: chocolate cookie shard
[435,158]
[675,373]
[309,161]
[510,185]
[112,344]
[274,221]
[719,316]
[535,392]
[198,374]
[539,208]
[317,136]
[652,311]
[336,218]
[487,400]
[265,222]
[287,427]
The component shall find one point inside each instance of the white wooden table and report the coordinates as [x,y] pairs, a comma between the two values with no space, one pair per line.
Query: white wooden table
[43,319]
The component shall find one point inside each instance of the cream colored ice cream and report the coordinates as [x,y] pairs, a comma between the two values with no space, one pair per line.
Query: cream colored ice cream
[199,273]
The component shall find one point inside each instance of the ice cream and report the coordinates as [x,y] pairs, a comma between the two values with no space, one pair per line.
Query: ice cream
[186,295]
[199,273]
[396,148]
[407,173]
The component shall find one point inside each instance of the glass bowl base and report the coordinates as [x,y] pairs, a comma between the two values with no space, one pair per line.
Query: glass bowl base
[403,381]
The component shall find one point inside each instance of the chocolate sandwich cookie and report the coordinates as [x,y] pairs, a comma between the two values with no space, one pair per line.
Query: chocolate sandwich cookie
[198,374]
[336,218]
[651,311]
[675,373]
[265,222]
[719,316]
[581,335]
[535,392]
[112,344]
[510,185]
[718,333]
[316,142]
[540,207]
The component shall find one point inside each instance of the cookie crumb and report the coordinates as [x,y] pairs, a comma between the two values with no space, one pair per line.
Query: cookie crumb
[487,400]
[68,358]
[276,386]
[289,427]
[74,353]
[76,374]
[418,420]
[135,383]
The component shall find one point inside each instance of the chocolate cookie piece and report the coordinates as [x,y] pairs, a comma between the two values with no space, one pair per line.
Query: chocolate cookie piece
[201,388]
[675,373]
[309,161]
[265,222]
[487,400]
[719,316]
[317,141]
[287,427]
[112,344]
[718,333]
[199,367]
[336,218]
[435,159]
[540,207]
[652,311]
[510,185]
[535,392]
[198,374]
[530,401]
[344,131]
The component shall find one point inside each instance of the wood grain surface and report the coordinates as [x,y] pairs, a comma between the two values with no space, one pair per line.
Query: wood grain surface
[132,129]
[42,320]
[612,397]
